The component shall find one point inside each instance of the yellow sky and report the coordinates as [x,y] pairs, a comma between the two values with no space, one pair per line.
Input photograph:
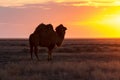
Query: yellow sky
[106,23]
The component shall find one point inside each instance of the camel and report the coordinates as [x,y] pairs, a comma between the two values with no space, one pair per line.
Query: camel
[45,36]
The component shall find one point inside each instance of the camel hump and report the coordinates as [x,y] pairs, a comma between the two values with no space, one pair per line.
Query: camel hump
[39,28]
[49,28]
[42,28]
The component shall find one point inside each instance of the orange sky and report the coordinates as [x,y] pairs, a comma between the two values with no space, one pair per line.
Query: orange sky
[83,18]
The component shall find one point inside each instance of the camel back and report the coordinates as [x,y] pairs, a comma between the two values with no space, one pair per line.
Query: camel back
[43,29]
[46,34]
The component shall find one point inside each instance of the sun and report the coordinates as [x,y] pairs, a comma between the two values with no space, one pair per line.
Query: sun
[112,20]
[117,3]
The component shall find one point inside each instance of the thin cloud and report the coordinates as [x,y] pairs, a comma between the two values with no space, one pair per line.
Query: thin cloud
[16,3]
[8,3]
[40,6]
[96,3]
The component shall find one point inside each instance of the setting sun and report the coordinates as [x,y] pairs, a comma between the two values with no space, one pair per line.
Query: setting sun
[112,20]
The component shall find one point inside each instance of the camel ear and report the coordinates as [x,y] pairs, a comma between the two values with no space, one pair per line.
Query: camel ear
[65,28]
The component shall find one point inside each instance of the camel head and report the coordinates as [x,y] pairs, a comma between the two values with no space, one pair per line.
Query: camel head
[60,30]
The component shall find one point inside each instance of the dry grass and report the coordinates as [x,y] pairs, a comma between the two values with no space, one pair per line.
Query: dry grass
[70,62]
[55,70]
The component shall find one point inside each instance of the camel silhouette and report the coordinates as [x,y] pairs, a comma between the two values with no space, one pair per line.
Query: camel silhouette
[45,36]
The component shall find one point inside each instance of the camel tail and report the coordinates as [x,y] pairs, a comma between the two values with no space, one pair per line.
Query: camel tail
[31,46]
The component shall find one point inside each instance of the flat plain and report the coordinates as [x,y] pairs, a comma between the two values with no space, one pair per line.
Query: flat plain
[76,59]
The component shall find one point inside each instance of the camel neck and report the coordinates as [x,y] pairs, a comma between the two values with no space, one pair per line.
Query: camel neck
[60,34]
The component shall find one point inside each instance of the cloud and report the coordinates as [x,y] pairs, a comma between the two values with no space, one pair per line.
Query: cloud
[96,3]
[9,3]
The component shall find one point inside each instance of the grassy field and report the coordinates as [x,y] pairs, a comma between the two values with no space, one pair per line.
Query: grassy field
[67,63]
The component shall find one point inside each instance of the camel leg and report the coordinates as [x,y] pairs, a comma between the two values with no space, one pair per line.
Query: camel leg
[49,55]
[31,52]
[36,52]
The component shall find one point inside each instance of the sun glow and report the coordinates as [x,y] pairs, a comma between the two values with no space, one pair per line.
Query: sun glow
[112,20]
[105,24]
[112,23]
[117,3]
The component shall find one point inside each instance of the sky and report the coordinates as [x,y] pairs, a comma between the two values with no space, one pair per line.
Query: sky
[83,18]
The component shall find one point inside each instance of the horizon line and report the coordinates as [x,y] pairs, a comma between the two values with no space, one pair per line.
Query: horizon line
[65,38]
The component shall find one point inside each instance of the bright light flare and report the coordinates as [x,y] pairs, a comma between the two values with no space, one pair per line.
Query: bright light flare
[112,20]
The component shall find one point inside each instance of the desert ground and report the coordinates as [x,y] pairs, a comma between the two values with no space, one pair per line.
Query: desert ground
[74,60]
